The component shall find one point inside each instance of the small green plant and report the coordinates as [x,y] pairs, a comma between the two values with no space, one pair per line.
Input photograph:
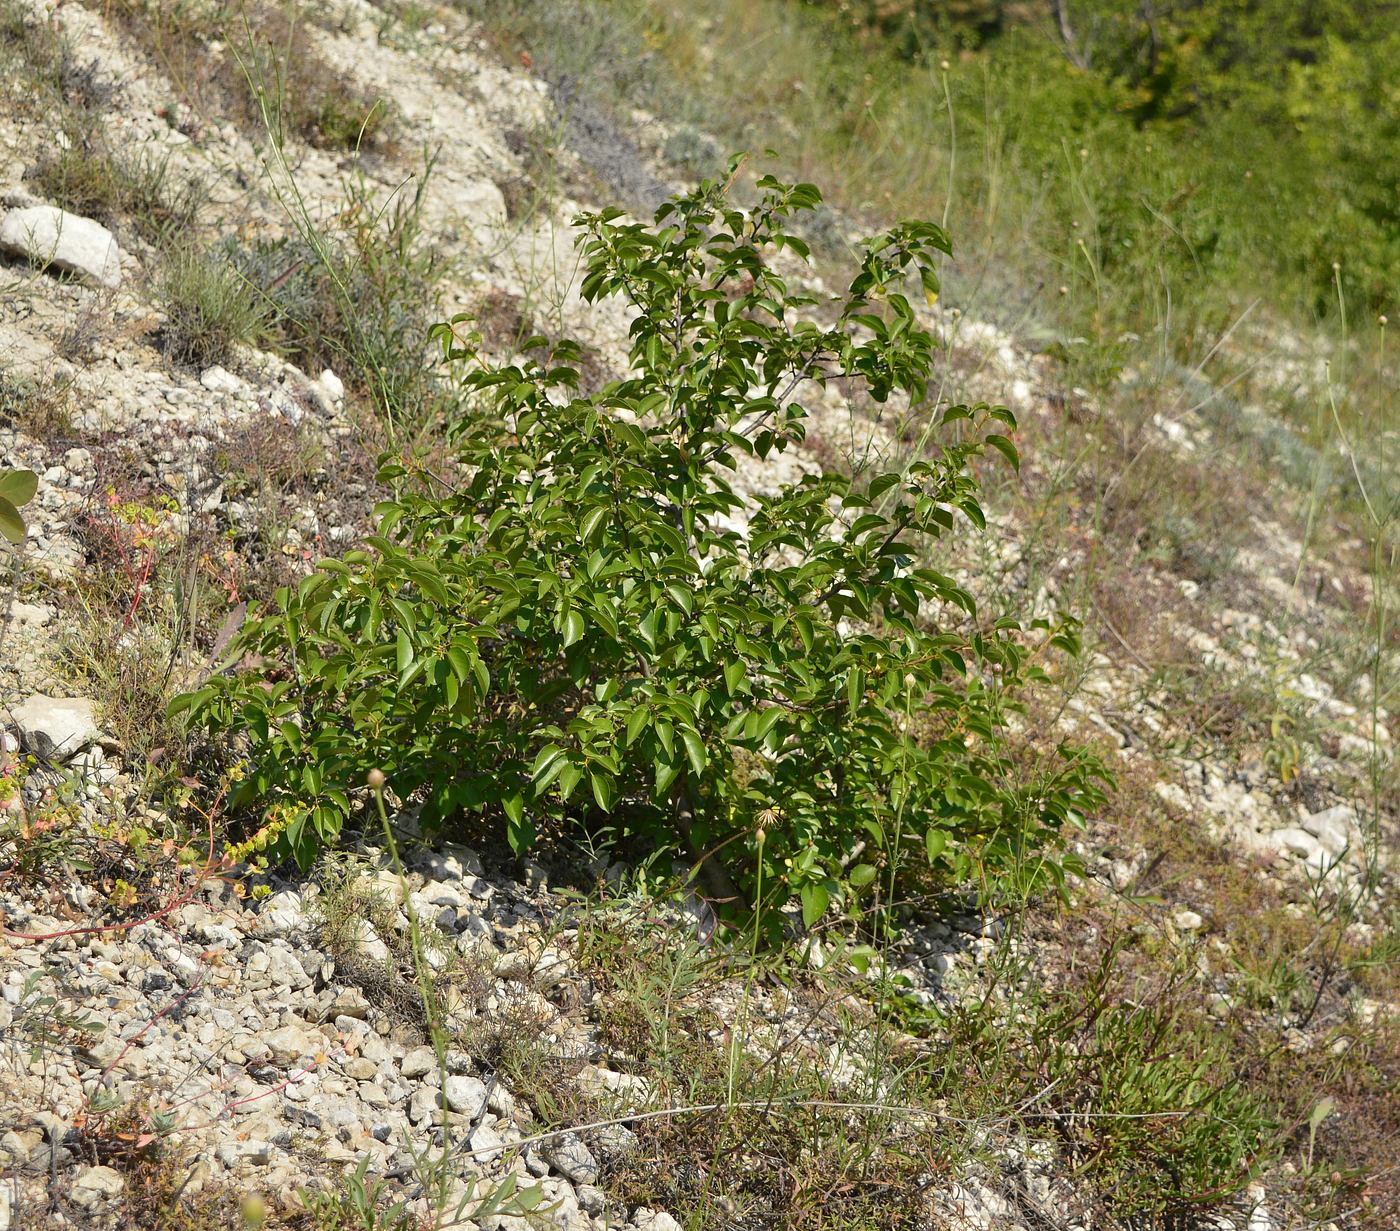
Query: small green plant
[591,624]
[209,307]
[17,488]
[359,296]
[365,1204]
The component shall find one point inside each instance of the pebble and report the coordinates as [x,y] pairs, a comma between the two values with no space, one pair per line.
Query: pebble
[96,1187]
[571,1158]
[465,1095]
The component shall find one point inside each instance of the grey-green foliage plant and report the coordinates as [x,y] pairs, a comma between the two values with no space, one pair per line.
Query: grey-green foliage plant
[17,488]
[589,623]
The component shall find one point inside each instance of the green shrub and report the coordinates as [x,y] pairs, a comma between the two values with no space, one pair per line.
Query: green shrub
[583,626]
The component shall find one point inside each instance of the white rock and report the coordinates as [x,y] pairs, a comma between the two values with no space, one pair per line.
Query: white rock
[591,1200]
[419,1061]
[570,1158]
[1188,921]
[281,914]
[485,1143]
[27,615]
[559,1210]
[501,1101]
[220,380]
[654,1220]
[255,1153]
[606,1084]
[1259,1219]
[1332,827]
[284,969]
[332,384]
[49,236]
[369,943]
[1297,842]
[464,1095]
[57,727]
[292,1042]
[95,1187]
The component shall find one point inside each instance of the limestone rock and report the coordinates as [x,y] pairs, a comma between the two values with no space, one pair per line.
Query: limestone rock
[50,236]
[58,728]
[1332,828]
[418,1062]
[292,1042]
[464,1095]
[571,1158]
[610,1086]
[95,1187]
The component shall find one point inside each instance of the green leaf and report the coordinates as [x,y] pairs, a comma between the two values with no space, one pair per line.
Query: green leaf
[935,840]
[1003,446]
[815,900]
[546,756]
[569,778]
[404,651]
[604,790]
[459,661]
[666,774]
[882,483]
[694,751]
[855,687]
[513,805]
[18,487]
[573,628]
[734,673]
[11,523]
[862,875]
[636,722]
[592,520]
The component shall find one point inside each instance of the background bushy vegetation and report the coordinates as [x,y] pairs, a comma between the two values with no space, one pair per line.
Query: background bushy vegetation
[1115,167]
[1304,96]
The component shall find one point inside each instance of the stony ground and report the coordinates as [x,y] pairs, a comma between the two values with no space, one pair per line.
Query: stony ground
[264,1037]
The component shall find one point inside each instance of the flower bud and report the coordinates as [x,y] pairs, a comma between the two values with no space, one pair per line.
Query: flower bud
[375,779]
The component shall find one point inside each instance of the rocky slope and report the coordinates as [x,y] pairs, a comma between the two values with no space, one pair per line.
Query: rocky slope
[175,1035]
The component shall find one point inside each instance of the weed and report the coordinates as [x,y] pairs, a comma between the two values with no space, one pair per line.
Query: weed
[40,59]
[39,406]
[97,325]
[139,617]
[210,308]
[210,53]
[359,297]
[139,192]
[312,99]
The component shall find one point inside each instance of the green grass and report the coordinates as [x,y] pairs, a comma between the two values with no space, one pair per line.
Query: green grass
[209,307]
